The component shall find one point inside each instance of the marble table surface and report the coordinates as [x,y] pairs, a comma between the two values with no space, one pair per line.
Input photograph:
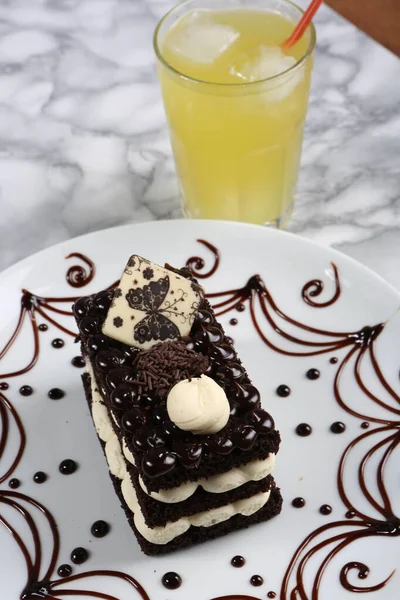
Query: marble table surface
[84,145]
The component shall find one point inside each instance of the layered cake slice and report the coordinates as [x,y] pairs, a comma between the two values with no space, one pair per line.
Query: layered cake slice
[189,449]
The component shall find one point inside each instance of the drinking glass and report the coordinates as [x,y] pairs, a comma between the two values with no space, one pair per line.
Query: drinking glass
[237,146]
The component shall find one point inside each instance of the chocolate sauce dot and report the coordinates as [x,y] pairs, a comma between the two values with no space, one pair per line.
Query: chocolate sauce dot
[364,425]
[78,362]
[64,570]
[256,580]
[303,430]
[14,483]
[56,394]
[233,322]
[333,360]
[67,466]
[43,327]
[283,391]
[26,390]
[57,343]
[4,385]
[238,561]
[325,509]
[79,556]
[271,595]
[171,580]
[240,307]
[338,427]
[350,514]
[298,502]
[313,374]
[99,529]
[39,477]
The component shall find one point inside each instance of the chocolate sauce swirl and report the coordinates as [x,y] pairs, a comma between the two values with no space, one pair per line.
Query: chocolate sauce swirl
[77,276]
[314,288]
[196,264]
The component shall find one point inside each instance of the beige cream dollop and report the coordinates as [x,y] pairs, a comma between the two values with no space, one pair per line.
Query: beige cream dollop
[198,405]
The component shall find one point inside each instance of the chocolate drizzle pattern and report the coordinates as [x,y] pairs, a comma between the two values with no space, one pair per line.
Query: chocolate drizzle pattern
[77,276]
[312,289]
[383,440]
[359,345]
[40,581]
[31,305]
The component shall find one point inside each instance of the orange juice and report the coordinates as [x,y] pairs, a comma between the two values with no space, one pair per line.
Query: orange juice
[236,105]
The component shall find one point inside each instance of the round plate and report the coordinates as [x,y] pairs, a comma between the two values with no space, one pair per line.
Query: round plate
[309,306]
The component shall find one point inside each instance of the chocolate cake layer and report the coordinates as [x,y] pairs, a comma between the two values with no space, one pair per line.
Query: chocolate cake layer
[188,446]
[165,455]
[157,514]
[196,535]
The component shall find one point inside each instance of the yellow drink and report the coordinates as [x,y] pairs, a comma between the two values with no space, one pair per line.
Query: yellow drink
[236,105]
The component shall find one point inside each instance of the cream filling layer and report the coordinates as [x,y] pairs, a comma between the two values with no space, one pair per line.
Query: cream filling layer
[117,466]
[216,484]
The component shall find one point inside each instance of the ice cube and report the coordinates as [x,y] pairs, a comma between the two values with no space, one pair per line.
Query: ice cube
[267,63]
[201,40]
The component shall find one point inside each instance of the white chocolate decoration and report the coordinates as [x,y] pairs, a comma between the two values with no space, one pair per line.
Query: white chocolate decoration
[198,405]
[150,305]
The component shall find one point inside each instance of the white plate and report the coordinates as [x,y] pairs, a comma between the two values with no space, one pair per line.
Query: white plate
[306,466]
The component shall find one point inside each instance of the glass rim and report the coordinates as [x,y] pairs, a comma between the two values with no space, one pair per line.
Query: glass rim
[238,85]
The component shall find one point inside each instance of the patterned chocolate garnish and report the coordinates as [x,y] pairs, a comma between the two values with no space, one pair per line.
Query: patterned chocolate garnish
[151,304]
[161,367]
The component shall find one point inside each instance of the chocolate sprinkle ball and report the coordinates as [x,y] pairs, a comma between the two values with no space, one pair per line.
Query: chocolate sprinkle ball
[4,386]
[238,561]
[233,322]
[283,391]
[78,362]
[171,580]
[79,555]
[58,343]
[99,529]
[165,364]
[14,483]
[67,466]
[333,360]
[26,390]
[64,570]
[298,502]
[304,430]
[313,374]
[364,425]
[43,327]
[39,477]
[325,509]
[271,595]
[56,394]
[256,580]
[350,514]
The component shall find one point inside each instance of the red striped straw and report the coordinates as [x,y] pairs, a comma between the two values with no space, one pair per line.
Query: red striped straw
[302,24]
